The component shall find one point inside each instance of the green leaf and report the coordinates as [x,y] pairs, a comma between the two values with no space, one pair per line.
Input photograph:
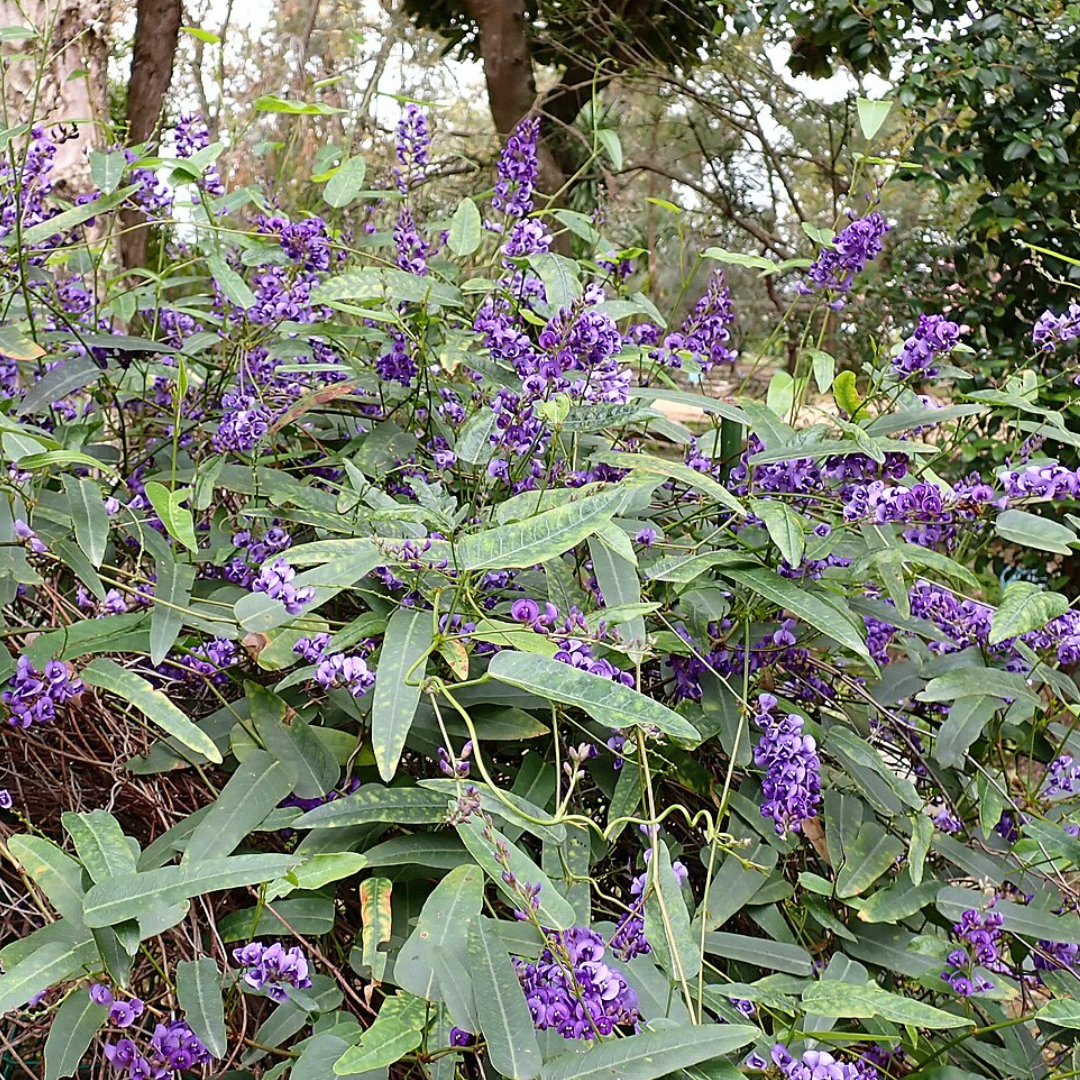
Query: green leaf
[253,791]
[444,923]
[71,376]
[1063,1012]
[843,1000]
[375,918]
[560,277]
[501,1009]
[610,703]
[899,901]
[71,1031]
[346,183]
[397,684]
[977,682]
[129,895]
[922,833]
[735,885]
[89,517]
[177,521]
[676,949]
[198,992]
[310,762]
[543,537]
[675,470]
[69,219]
[483,842]
[761,952]
[1020,527]
[651,1054]
[845,393]
[824,369]
[172,596]
[1025,606]
[386,283]
[872,854]
[318,870]
[967,718]
[398,805]
[398,1029]
[232,285]
[153,704]
[203,35]
[45,966]
[872,114]
[316,1060]
[275,104]
[107,170]
[784,526]
[465,229]
[56,873]
[802,602]
[100,844]
[620,584]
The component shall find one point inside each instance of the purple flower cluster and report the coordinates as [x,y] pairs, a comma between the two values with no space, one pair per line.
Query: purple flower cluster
[245,422]
[705,333]
[207,661]
[934,336]
[1042,482]
[32,696]
[1052,330]
[274,968]
[792,786]
[345,672]
[413,148]
[817,1065]
[572,990]
[253,552]
[397,365]
[856,245]
[192,135]
[982,936]
[412,248]
[121,1013]
[1054,955]
[174,1048]
[276,581]
[1064,776]
[517,170]
[572,650]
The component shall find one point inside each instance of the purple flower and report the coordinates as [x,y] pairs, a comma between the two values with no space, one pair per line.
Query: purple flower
[173,1048]
[947,821]
[934,336]
[857,244]
[345,672]
[398,364]
[981,934]
[460,1037]
[124,1013]
[412,148]
[706,332]
[792,784]
[412,249]
[29,537]
[517,170]
[276,581]
[820,1065]
[646,537]
[5,799]
[1052,330]
[274,968]
[100,994]
[1064,776]
[571,989]
[244,423]
[32,696]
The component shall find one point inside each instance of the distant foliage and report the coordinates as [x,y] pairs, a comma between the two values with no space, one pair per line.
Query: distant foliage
[394,688]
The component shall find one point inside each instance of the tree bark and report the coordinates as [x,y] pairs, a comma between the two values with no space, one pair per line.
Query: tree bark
[76,33]
[157,33]
[508,72]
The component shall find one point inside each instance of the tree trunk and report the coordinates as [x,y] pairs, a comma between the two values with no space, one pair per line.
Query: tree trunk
[75,33]
[508,72]
[157,32]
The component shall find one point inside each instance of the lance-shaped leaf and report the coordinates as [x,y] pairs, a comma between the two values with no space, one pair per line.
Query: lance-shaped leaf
[198,992]
[610,703]
[397,684]
[501,1007]
[71,1031]
[444,924]
[375,896]
[153,704]
[843,1000]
